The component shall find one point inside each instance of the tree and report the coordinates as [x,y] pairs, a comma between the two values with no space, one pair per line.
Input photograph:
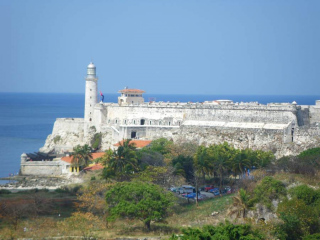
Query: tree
[220,155]
[298,219]
[137,200]
[184,167]
[240,204]
[239,162]
[123,161]
[201,162]
[160,145]
[81,156]
[92,198]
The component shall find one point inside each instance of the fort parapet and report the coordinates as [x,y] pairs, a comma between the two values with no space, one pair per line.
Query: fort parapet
[284,128]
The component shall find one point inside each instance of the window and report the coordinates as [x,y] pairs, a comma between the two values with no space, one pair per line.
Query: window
[150,123]
[133,134]
[134,121]
[169,123]
[116,121]
[142,121]
[125,121]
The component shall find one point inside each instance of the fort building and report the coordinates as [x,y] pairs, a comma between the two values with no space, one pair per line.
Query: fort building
[284,128]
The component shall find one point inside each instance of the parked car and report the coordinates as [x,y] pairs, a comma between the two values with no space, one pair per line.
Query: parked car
[208,187]
[228,190]
[213,190]
[194,196]
[185,189]
[173,189]
[191,195]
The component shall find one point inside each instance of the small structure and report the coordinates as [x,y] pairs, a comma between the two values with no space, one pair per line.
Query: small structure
[130,96]
[69,165]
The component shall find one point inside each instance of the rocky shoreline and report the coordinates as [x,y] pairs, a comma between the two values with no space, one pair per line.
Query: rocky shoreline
[20,183]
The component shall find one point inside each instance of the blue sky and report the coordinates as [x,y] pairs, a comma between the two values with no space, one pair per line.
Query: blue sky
[164,46]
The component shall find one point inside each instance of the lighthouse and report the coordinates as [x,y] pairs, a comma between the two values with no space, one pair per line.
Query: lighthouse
[91,95]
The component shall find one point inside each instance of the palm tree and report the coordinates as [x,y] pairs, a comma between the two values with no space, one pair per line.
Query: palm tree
[220,155]
[81,156]
[123,161]
[240,204]
[201,162]
[105,159]
[239,162]
[86,155]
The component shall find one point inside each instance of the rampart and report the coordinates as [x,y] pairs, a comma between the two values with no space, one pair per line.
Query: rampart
[46,168]
[281,127]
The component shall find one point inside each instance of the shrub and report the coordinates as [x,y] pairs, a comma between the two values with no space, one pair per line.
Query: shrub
[305,193]
[96,141]
[4,191]
[312,237]
[57,139]
[222,231]
[137,200]
[298,218]
[310,152]
[269,189]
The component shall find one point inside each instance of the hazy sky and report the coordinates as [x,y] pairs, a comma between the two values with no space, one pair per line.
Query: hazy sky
[164,46]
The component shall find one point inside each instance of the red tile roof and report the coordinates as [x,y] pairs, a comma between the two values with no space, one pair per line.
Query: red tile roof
[138,143]
[126,90]
[94,156]
[94,167]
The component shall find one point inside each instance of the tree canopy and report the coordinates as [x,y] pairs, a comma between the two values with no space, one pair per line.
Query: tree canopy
[138,200]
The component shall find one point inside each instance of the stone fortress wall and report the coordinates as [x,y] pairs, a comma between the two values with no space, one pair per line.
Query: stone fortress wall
[280,128]
[284,128]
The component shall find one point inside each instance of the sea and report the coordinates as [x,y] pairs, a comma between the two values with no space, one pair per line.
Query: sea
[26,119]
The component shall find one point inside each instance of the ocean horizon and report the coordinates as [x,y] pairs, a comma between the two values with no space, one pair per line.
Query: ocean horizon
[27,118]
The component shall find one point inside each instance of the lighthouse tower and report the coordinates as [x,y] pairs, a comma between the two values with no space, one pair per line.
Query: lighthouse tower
[91,97]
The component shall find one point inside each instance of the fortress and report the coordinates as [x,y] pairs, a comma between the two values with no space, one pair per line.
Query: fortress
[284,128]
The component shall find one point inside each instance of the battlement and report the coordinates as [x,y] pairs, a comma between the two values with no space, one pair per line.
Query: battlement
[205,105]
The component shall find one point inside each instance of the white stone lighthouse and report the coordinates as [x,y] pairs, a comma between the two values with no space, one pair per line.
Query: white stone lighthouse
[91,97]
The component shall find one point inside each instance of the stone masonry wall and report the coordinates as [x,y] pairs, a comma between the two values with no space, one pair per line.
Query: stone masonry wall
[175,114]
[46,168]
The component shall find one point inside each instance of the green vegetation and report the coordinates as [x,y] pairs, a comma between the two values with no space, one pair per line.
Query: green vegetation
[96,141]
[298,218]
[57,139]
[222,231]
[121,163]
[269,189]
[138,200]
[130,197]
[81,156]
